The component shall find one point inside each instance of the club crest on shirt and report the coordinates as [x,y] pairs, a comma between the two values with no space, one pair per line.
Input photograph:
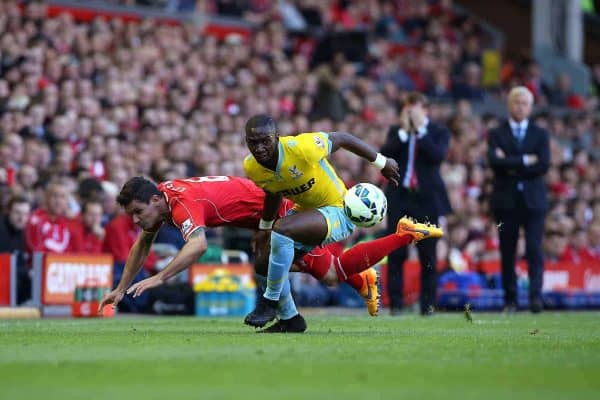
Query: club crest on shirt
[319,142]
[186,226]
[295,173]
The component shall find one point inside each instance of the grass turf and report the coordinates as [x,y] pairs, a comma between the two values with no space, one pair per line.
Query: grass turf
[547,356]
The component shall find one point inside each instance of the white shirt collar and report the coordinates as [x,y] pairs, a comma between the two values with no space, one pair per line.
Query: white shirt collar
[514,124]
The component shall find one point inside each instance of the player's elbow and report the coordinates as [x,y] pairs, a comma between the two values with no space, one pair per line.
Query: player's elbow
[197,246]
[340,139]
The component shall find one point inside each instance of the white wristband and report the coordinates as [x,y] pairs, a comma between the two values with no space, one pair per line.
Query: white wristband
[380,161]
[265,225]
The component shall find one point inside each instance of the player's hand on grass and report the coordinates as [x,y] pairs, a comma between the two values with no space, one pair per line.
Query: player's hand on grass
[113,298]
[148,283]
[391,172]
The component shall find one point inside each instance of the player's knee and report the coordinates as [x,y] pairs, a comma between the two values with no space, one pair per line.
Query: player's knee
[330,278]
[282,228]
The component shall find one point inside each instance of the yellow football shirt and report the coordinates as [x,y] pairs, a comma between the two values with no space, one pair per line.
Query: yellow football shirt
[303,173]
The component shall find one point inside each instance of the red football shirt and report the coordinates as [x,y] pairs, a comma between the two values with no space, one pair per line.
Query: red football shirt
[49,234]
[210,201]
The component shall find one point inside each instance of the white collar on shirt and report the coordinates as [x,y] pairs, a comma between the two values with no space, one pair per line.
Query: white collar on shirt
[514,124]
[422,131]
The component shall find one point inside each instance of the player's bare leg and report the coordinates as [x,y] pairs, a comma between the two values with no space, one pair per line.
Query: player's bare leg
[309,228]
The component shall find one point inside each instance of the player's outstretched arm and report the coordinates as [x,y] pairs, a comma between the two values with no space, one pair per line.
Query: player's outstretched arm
[271,206]
[388,166]
[190,252]
[135,260]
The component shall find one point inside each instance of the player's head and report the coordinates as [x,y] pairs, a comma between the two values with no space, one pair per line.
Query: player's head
[142,200]
[262,138]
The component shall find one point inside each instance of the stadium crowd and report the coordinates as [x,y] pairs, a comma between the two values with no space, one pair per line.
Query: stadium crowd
[85,106]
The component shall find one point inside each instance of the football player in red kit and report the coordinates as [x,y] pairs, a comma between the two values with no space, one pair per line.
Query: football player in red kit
[197,203]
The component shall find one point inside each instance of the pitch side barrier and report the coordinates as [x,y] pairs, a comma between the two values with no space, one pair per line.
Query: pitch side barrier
[567,285]
[57,276]
[8,280]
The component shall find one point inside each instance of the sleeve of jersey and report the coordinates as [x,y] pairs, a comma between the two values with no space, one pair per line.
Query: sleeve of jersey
[248,170]
[314,146]
[187,218]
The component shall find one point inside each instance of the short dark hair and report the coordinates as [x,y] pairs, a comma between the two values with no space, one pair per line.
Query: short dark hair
[261,123]
[89,202]
[17,199]
[415,98]
[137,188]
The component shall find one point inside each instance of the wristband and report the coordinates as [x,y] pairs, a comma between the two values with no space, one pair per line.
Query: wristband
[380,161]
[265,225]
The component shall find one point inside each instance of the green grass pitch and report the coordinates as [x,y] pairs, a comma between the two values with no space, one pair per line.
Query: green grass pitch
[547,356]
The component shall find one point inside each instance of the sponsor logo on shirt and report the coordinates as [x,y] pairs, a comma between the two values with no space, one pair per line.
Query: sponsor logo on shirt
[186,226]
[298,189]
[295,173]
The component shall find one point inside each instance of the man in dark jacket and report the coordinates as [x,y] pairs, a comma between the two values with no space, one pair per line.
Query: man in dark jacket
[519,154]
[419,147]
[12,240]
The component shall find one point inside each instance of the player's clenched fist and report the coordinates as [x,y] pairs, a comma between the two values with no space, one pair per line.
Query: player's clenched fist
[113,298]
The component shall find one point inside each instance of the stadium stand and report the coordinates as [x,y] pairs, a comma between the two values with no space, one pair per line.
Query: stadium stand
[86,103]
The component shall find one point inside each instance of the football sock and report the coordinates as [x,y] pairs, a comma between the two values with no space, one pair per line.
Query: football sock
[355,281]
[317,262]
[364,255]
[286,308]
[280,260]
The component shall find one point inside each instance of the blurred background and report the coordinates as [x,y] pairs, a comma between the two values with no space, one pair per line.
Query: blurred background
[95,92]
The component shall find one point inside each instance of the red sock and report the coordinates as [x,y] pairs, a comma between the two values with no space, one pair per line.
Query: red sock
[317,262]
[367,254]
[356,281]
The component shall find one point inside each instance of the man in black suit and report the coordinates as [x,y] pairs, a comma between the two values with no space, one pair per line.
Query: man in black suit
[419,147]
[519,154]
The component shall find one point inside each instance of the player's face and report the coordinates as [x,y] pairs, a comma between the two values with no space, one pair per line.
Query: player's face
[145,215]
[262,145]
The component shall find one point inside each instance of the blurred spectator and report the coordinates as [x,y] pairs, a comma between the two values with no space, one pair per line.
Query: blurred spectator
[49,229]
[562,95]
[469,87]
[556,247]
[89,227]
[330,102]
[12,240]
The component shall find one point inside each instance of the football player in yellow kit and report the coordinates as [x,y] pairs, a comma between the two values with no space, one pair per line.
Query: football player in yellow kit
[296,167]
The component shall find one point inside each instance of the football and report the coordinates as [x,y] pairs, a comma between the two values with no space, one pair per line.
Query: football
[365,205]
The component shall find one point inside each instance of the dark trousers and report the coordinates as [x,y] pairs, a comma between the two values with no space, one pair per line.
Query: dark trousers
[509,222]
[427,254]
